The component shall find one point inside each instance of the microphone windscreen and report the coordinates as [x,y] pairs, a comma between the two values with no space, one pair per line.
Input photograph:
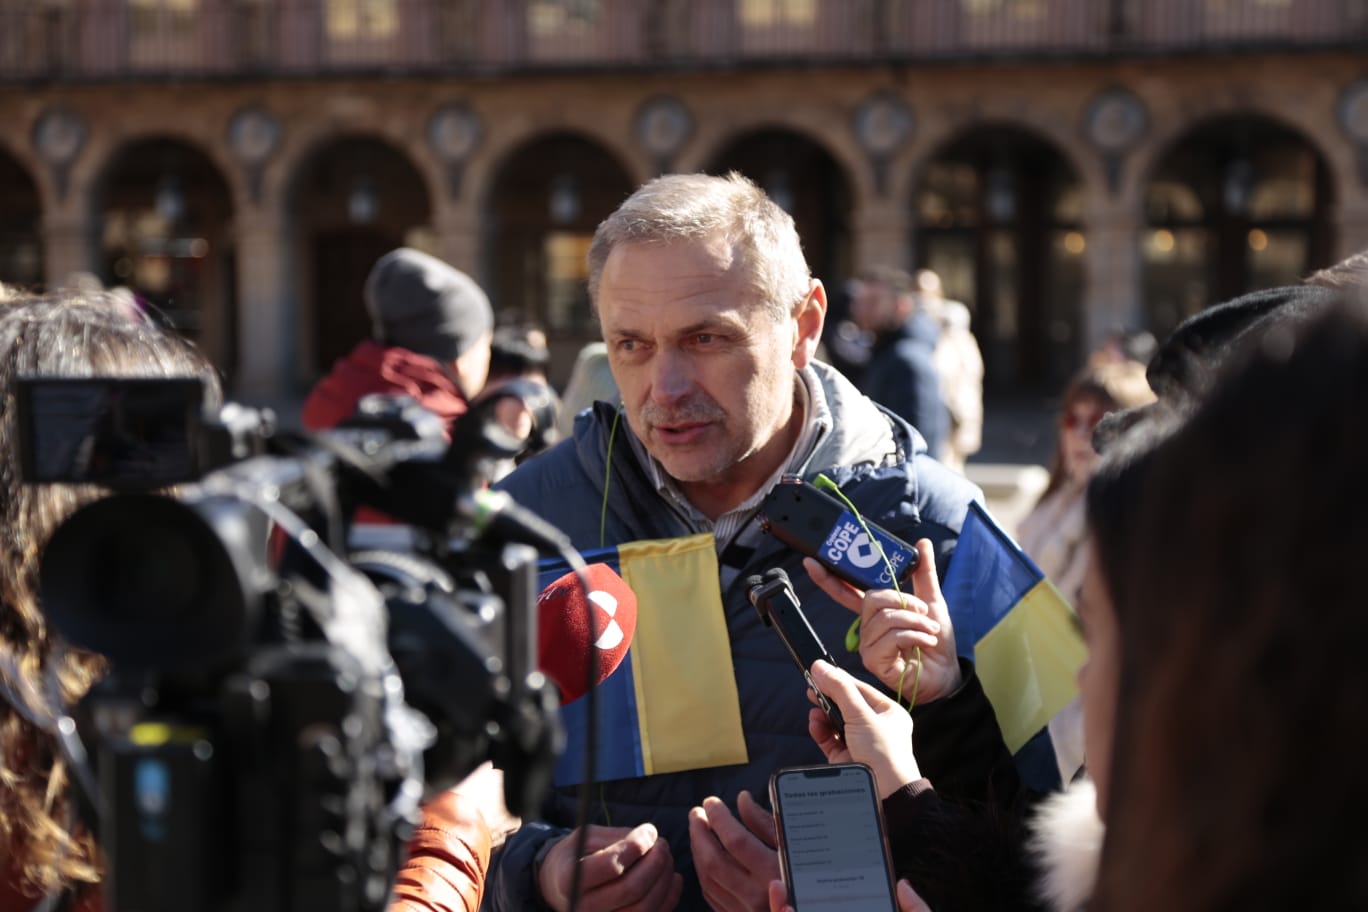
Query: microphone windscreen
[563,618]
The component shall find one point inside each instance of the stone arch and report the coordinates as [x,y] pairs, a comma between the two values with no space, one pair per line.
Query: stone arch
[813,127]
[489,161]
[998,212]
[1236,202]
[352,197]
[160,209]
[91,169]
[1338,158]
[540,208]
[21,216]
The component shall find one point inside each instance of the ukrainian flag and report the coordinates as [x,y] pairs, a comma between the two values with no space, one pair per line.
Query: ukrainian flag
[1015,625]
[672,704]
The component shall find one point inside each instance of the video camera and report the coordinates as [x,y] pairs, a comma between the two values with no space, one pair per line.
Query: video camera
[278,701]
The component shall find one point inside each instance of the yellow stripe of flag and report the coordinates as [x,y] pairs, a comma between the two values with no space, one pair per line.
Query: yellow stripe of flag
[687,703]
[1029,662]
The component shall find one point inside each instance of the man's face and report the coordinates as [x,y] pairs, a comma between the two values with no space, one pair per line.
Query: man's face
[873,306]
[705,372]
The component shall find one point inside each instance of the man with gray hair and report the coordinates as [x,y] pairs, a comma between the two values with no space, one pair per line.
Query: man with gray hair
[711,320]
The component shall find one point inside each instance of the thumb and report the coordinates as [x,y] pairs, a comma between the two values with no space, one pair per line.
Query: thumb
[856,699]
[908,900]
[925,580]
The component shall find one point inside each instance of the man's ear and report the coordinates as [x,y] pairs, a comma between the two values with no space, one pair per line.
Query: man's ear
[808,322]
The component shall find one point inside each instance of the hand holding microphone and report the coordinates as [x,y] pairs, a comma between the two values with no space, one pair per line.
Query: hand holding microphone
[893,625]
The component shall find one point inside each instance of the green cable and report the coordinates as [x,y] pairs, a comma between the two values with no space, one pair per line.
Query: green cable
[852,640]
[607,476]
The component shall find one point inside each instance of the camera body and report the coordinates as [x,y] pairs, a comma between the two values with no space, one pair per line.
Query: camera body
[279,702]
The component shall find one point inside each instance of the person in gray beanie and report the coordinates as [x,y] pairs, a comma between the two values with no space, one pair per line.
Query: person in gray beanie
[431,330]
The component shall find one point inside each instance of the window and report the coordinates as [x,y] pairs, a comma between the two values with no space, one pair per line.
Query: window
[1007,9]
[777,13]
[559,18]
[161,33]
[359,20]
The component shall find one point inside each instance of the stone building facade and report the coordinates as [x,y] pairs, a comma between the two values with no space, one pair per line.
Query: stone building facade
[1070,168]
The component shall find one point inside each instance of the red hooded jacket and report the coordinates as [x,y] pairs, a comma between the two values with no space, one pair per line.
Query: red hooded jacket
[375,368]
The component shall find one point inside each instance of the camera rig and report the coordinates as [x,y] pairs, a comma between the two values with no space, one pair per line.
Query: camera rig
[279,702]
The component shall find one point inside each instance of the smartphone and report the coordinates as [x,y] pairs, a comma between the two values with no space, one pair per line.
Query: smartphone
[833,850]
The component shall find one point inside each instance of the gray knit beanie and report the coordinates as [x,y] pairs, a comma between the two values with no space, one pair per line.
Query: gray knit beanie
[417,302]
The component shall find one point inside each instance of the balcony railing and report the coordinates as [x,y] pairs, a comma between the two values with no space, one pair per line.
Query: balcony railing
[132,39]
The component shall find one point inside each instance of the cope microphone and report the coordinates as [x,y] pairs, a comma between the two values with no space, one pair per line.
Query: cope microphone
[564,611]
[815,524]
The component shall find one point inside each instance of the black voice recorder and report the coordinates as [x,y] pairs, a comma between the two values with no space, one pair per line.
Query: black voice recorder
[773,596]
[815,524]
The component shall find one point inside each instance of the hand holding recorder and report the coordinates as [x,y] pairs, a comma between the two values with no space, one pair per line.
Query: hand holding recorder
[878,732]
[893,625]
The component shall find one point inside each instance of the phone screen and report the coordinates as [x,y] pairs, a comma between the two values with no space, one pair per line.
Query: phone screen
[831,838]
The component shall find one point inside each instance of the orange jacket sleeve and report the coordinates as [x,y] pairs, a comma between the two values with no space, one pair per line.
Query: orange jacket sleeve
[448,857]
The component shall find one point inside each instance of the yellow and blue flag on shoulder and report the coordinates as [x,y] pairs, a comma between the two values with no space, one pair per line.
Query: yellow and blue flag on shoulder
[672,704]
[1016,627]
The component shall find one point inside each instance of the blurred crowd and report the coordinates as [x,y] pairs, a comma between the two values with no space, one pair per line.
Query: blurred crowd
[1201,525]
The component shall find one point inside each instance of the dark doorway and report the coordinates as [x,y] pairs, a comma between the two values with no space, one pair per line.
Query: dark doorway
[21,244]
[353,200]
[164,211]
[543,207]
[341,261]
[998,215]
[1236,205]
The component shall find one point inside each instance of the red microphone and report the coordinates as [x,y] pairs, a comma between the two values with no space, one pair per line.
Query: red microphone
[563,613]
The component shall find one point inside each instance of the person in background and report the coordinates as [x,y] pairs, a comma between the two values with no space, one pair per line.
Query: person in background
[901,374]
[959,368]
[591,380]
[518,358]
[431,333]
[1054,532]
[518,352]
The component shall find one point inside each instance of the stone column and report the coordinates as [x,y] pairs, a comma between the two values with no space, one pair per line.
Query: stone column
[267,330]
[882,236]
[1112,229]
[68,244]
[458,239]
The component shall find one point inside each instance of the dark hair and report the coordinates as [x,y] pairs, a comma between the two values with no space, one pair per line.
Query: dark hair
[1232,549]
[513,352]
[69,334]
[1112,385]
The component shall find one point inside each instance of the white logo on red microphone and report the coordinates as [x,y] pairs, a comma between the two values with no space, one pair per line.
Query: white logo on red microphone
[612,634]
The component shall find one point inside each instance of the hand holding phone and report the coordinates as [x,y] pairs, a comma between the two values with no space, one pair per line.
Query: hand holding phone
[878,732]
[833,852]
[773,596]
